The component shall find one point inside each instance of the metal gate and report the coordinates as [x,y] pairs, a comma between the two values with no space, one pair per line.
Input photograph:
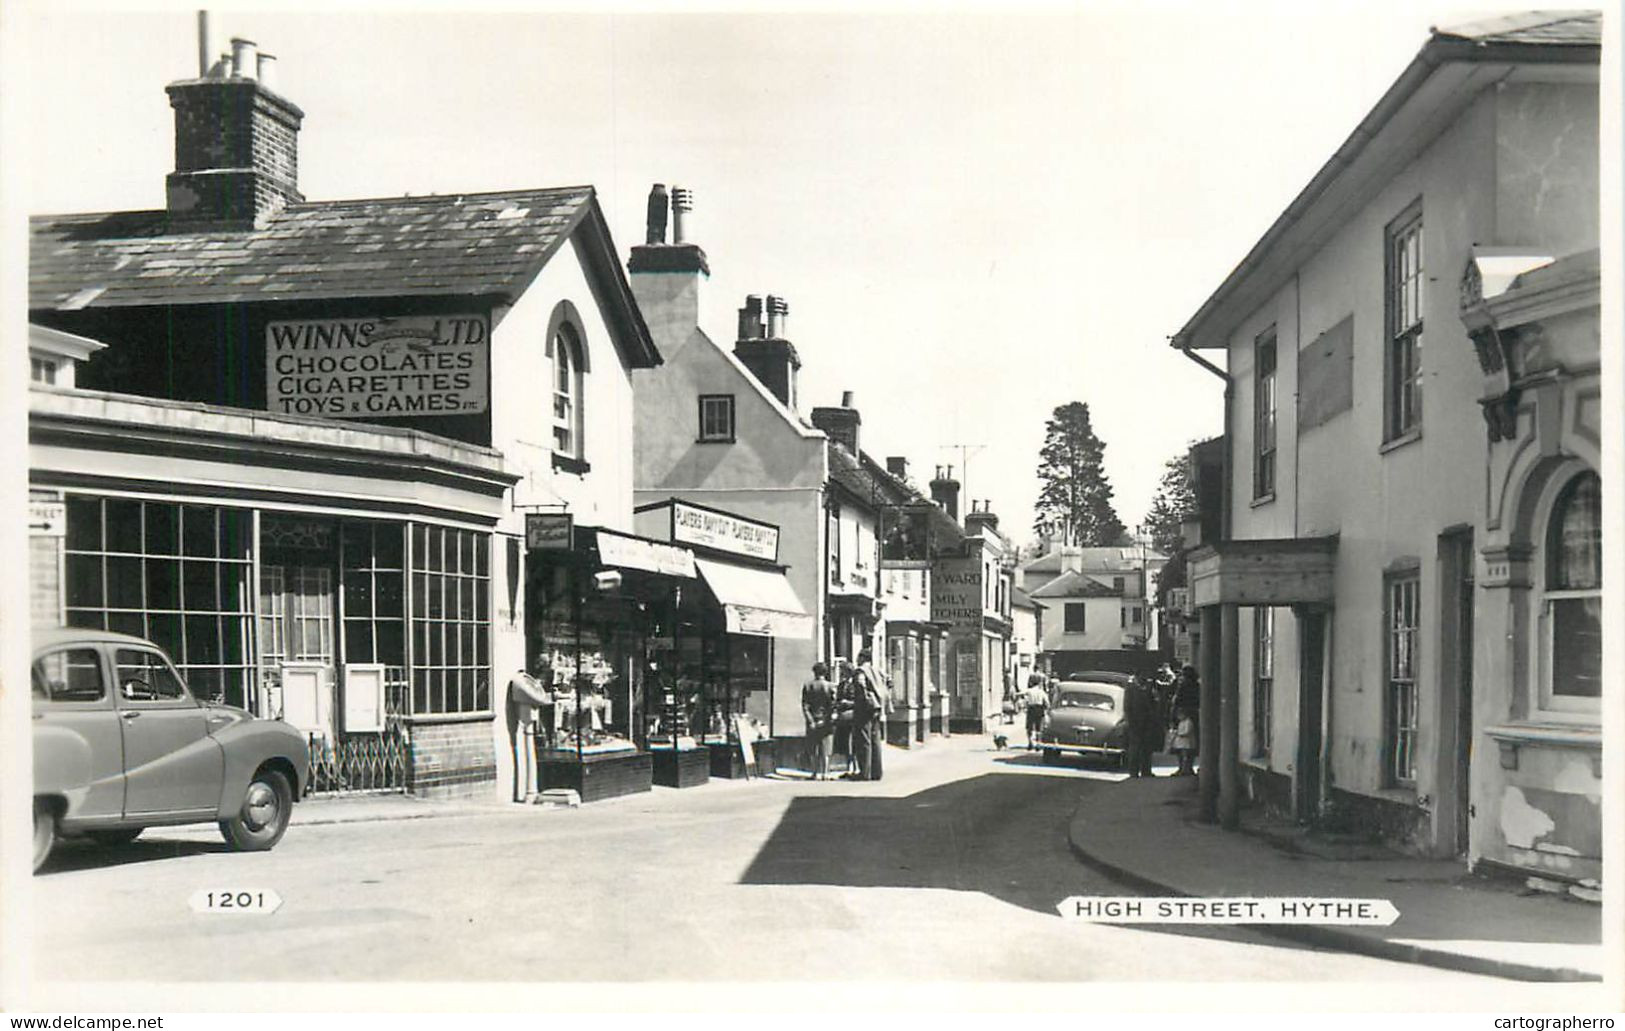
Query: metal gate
[365,762]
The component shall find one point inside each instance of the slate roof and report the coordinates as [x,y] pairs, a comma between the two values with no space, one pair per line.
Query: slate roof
[490,243]
[1111,557]
[869,483]
[1021,600]
[1074,585]
[1546,28]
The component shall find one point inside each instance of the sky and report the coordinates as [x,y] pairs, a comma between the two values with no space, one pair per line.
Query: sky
[974,216]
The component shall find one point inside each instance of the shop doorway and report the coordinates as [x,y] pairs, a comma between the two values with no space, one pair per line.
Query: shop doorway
[298,618]
[1456,680]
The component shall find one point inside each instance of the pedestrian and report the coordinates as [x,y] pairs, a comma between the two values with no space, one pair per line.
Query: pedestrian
[1188,700]
[1183,742]
[868,734]
[1037,702]
[528,701]
[846,708]
[1143,722]
[818,709]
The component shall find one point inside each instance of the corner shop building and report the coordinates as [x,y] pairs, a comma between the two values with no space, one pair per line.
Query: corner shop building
[302,461]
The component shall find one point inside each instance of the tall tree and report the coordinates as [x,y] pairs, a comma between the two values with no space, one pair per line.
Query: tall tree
[1075,497]
[1174,502]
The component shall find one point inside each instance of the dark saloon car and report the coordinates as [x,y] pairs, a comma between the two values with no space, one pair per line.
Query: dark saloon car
[1086,717]
[121,745]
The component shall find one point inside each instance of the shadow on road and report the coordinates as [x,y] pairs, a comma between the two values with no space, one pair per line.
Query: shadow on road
[1002,834]
[83,854]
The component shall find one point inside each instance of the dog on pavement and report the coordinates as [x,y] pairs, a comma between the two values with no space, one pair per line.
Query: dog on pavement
[1000,742]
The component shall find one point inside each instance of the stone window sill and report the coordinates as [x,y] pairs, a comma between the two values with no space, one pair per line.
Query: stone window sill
[566,464]
[1408,437]
[1512,738]
[1263,499]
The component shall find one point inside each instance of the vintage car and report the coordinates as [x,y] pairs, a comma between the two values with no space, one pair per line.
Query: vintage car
[1086,718]
[121,745]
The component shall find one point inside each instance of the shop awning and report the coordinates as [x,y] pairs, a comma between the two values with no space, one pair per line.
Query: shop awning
[756,601]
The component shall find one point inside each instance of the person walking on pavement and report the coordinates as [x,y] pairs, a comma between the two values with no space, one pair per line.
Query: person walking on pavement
[818,709]
[1037,702]
[868,735]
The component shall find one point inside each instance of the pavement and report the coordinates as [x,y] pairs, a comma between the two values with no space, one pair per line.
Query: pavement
[1145,834]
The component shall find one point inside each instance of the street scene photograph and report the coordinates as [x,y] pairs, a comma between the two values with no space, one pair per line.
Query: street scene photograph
[1079,509]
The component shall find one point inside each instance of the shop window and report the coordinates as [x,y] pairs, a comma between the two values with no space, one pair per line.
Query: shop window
[567,389]
[374,570]
[1074,617]
[451,591]
[1264,416]
[1263,680]
[177,575]
[1572,598]
[717,418]
[1403,301]
[1401,700]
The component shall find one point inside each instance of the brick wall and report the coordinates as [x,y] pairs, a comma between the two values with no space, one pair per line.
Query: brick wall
[451,760]
[44,581]
[236,151]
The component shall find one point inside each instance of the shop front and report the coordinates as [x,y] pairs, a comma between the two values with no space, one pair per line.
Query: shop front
[338,597]
[717,661]
[914,651]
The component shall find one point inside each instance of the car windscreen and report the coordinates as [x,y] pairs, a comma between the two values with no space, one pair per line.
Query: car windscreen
[1086,700]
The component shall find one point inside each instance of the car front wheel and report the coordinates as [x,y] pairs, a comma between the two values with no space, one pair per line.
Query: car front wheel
[44,831]
[263,817]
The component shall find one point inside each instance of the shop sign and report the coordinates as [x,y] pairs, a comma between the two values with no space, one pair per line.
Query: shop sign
[720,531]
[632,553]
[377,368]
[905,535]
[548,531]
[47,519]
[956,593]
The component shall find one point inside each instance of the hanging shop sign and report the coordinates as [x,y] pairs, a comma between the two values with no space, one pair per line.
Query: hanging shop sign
[956,594]
[650,556]
[548,531]
[377,367]
[720,531]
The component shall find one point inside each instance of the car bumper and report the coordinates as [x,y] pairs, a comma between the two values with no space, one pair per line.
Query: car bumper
[1111,751]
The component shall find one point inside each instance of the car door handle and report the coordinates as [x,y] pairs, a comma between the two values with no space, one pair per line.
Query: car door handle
[129,715]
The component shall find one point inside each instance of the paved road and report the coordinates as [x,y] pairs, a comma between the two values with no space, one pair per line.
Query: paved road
[949,869]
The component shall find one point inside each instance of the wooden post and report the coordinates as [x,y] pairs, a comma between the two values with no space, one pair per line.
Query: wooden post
[1208,722]
[1229,720]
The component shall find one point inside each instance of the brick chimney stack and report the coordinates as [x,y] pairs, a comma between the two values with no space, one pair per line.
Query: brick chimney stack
[945,491]
[897,465]
[763,349]
[979,517]
[667,278]
[236,141]
[841,424]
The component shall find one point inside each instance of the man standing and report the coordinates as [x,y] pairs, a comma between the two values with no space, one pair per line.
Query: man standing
[869,718]
[1140,714]
[527,700]
[1037,701]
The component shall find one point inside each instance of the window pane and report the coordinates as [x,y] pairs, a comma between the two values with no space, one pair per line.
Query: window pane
[206,684]
[164,630]
[1577,647]
[236,532]
[1576,538]
[420,539]
[434,596]
[482,554]
[357,542]
[202,591]
[89,619]
[387,600]
[420,594]
[233,640]
[357,594]
[163,534]
[198,530]
[123,583]
[391,643]
[387,546]
[84,585]
[123,525]
[420,691]
[358,641]
[465,552]
[202,639]
[84,524]
[235,582]
[163,583]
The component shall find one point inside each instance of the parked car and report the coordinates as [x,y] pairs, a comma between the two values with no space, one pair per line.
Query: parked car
[1086,718]
[121,745]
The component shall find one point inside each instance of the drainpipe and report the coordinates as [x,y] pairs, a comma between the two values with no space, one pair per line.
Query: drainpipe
[1219,726]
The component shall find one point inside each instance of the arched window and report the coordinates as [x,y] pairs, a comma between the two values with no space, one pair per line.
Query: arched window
[1573,591]
[567,373]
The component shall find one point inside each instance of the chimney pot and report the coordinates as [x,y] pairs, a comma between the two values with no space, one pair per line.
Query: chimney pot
[778,311]
[655,226]
[846,399]
[682,205]
[243,54]
[205,45]
[265,70]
